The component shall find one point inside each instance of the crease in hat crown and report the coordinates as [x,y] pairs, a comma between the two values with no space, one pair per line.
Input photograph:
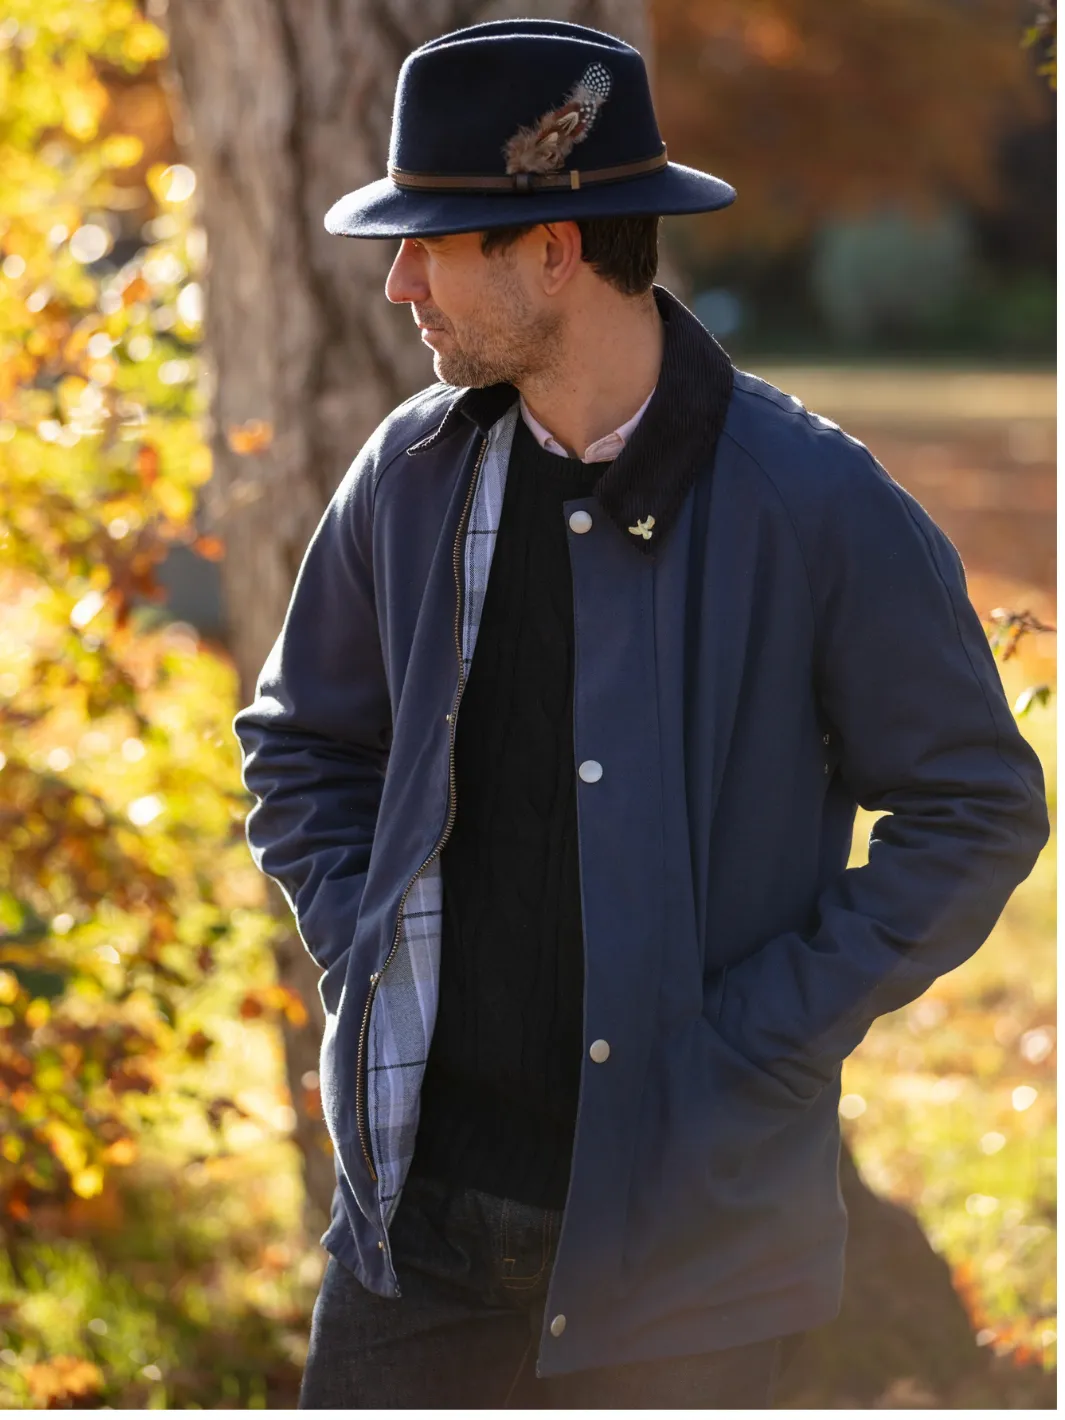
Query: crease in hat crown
[522,120]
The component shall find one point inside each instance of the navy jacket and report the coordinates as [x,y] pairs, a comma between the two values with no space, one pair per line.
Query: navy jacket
[793,638]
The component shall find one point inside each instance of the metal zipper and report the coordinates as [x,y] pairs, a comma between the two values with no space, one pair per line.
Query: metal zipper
[361,1072]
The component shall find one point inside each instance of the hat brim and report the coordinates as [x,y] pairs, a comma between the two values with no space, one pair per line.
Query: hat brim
[383,209]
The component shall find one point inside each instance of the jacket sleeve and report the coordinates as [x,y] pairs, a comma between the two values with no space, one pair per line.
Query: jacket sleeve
[908,680]
[315,740]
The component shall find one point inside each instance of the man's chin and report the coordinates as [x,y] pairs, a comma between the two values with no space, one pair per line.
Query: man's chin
[460,373]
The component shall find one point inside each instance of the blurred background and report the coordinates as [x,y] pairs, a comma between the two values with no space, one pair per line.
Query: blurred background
[188,364]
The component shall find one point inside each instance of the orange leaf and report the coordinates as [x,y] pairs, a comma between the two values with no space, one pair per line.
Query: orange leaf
[251,437]
[148,463]
[137,290]
[61,1379]
[121,1152]
[296,1011]
[211,547]
[291,1002]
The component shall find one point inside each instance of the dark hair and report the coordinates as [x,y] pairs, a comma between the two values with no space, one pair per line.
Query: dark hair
[622,250]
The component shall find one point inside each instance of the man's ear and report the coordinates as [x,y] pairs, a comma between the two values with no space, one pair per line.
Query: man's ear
[561,258]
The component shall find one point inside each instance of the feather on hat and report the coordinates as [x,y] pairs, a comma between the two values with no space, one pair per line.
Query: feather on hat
[543,147]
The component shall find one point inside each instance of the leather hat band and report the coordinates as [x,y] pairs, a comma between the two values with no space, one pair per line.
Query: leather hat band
[529,182]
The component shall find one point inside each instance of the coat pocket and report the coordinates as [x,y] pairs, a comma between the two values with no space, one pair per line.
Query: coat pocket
[732,1156]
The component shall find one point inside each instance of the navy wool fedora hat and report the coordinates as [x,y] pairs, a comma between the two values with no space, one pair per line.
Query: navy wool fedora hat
[522,121]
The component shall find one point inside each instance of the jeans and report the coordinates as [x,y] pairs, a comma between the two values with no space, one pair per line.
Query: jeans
[473,1271]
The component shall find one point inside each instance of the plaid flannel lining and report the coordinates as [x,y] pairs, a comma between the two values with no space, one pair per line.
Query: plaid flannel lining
[404,1008]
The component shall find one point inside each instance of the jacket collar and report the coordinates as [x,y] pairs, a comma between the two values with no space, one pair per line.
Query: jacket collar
[643,488]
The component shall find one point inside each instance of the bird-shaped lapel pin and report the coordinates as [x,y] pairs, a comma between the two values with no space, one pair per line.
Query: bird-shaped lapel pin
[643,527]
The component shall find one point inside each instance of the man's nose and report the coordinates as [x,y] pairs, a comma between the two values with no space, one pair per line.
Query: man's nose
[406,281]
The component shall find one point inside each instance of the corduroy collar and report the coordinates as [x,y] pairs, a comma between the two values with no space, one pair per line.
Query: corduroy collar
[643,488]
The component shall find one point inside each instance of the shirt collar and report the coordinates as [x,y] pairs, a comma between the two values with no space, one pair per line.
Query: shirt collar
[643,488]
[600,451]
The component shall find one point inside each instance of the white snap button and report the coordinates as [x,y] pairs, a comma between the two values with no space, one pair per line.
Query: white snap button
[580,521]
[591,771]
[558,1326]
[599,1050]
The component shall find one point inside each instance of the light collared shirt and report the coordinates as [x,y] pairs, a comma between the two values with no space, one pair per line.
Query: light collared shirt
[602,451]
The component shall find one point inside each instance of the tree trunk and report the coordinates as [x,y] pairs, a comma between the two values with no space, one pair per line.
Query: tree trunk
[283,105]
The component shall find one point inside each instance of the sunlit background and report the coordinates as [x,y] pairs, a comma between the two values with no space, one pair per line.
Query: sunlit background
[890,260]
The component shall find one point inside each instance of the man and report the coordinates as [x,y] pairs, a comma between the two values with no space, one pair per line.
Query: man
[595,650]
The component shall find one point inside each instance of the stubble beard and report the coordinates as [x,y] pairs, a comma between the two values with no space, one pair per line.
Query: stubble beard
[506,340]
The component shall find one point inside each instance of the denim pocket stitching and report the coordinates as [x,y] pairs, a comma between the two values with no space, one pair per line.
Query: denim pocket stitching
[529,1279]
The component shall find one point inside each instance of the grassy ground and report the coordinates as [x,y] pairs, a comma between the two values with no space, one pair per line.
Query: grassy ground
[908,392]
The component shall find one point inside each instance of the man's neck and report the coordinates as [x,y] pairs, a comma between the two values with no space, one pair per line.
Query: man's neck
[610,365]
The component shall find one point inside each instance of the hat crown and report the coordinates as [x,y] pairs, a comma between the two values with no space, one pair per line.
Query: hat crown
[522,96]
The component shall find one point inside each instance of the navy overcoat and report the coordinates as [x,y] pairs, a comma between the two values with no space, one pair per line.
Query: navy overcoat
[787,638]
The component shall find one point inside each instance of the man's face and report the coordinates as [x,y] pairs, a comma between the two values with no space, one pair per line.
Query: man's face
[484,317]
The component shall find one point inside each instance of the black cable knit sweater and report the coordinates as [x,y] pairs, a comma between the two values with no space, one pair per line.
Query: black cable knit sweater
[499,1098]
